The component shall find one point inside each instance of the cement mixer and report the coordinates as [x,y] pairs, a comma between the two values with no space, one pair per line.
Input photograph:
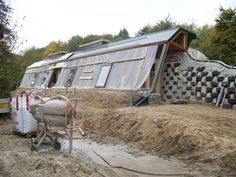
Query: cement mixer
[53,116]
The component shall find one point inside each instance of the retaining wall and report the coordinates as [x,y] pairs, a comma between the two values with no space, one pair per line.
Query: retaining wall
[187,79]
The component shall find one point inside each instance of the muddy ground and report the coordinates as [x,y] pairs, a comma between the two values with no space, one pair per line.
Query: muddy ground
[201,136]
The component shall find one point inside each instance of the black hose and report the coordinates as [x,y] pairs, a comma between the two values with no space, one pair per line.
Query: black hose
[136,171]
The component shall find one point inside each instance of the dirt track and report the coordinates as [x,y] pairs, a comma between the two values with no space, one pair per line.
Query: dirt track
[202,136]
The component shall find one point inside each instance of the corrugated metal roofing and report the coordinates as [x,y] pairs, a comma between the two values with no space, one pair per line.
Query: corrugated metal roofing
[50,61]
[159,37]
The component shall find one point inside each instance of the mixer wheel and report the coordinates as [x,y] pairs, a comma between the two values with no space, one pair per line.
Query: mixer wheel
[57,145]
[33,147]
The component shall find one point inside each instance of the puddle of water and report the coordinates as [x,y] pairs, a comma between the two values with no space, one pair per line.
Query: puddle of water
[118,155]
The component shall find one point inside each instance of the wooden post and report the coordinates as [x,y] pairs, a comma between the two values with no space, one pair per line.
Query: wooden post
[130,98]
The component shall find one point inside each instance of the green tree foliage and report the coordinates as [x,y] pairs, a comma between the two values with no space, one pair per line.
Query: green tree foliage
[224,39]
[7,36]
[163,24]
[74,42]
[123,34]
[33,54]
[53,47]
[205,34]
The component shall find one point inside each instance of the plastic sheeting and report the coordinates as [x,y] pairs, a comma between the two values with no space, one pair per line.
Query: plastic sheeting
[146,66]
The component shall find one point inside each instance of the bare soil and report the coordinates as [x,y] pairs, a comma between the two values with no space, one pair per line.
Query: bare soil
[200,135]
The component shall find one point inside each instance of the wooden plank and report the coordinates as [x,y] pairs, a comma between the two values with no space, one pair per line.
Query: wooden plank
[85,78]
[87,71]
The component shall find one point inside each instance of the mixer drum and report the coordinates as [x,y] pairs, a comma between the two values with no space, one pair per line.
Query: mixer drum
[52,112]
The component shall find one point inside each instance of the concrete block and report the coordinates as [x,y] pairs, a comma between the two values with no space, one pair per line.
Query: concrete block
[214,82]
[214,93]
[214,101]
[199,84]
[198,96]
[189,87]
[185,73]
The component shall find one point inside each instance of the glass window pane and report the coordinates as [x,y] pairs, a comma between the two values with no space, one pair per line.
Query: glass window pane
[101,82]
[70,77]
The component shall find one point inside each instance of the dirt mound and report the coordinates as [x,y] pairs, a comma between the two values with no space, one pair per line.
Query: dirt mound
[194,133]
[17,160]
[167,136]
[93,97]
[202,136]
[25,163]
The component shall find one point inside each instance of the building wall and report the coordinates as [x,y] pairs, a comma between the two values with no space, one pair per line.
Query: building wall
[187,79]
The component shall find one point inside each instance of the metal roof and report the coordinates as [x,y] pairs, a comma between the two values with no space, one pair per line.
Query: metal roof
[162,36]
[50,61]
[149,39]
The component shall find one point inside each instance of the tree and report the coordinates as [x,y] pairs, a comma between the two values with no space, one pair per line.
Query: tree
[205,34]
[123,34]
[7,36]
[224,40]
[90,38]
[163,24]
[73,43]
[53,47]
[33,54]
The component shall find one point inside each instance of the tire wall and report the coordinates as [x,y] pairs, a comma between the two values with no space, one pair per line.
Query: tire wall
[187,79]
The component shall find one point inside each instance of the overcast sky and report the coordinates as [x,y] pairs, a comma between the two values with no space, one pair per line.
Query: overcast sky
[47,20]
